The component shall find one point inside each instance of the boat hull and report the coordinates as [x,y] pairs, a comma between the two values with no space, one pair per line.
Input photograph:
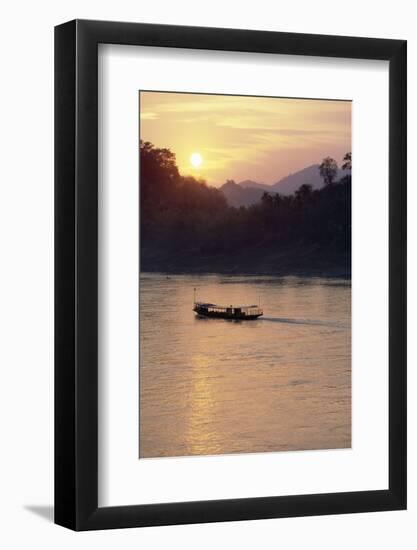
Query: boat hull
[225,315]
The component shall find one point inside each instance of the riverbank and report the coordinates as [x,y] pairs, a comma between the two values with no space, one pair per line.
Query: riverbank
[302,260]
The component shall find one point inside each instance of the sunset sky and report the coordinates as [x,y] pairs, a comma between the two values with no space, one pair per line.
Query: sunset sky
[219,137]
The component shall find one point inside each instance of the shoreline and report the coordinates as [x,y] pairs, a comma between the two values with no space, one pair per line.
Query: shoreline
[299,260]
[332,273]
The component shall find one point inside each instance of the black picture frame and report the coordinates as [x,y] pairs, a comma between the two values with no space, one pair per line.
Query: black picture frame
[76,273]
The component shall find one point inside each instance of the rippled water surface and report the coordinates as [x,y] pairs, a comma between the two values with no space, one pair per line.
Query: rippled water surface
[211,386]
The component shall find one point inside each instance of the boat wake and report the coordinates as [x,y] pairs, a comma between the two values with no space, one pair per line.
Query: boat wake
[303,322]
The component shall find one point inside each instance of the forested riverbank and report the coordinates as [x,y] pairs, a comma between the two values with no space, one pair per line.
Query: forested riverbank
[188,226]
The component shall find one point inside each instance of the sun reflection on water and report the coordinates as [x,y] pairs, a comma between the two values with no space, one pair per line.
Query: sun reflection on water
[212,386]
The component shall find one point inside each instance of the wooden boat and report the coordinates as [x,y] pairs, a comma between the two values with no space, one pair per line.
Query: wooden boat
[241,313]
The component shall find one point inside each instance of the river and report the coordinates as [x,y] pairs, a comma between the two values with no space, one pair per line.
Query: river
[212,386]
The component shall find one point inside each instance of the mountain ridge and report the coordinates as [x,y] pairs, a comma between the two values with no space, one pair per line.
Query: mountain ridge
[248,192]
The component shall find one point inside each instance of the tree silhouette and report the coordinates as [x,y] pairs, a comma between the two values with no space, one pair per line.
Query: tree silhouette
[267,199]
[328,170]
[159,173]
[304,193]
[347,161]
[157,163]
[188,225]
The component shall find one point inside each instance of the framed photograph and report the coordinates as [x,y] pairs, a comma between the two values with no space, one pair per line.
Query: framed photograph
[230,275]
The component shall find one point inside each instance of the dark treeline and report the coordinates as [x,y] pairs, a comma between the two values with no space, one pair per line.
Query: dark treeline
[187,226]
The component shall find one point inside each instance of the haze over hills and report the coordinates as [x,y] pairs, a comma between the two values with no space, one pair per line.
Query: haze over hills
[250,192]
[254,185]
[290,184]
[237,195]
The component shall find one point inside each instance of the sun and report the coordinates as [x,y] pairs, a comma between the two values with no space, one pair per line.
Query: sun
[196,160]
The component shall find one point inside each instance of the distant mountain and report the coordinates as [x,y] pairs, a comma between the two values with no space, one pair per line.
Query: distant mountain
[290,184]
[309,175]
[249,192]
[237,196]
[254,185]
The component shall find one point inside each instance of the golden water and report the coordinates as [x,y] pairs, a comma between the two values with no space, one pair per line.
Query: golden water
[212,386]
